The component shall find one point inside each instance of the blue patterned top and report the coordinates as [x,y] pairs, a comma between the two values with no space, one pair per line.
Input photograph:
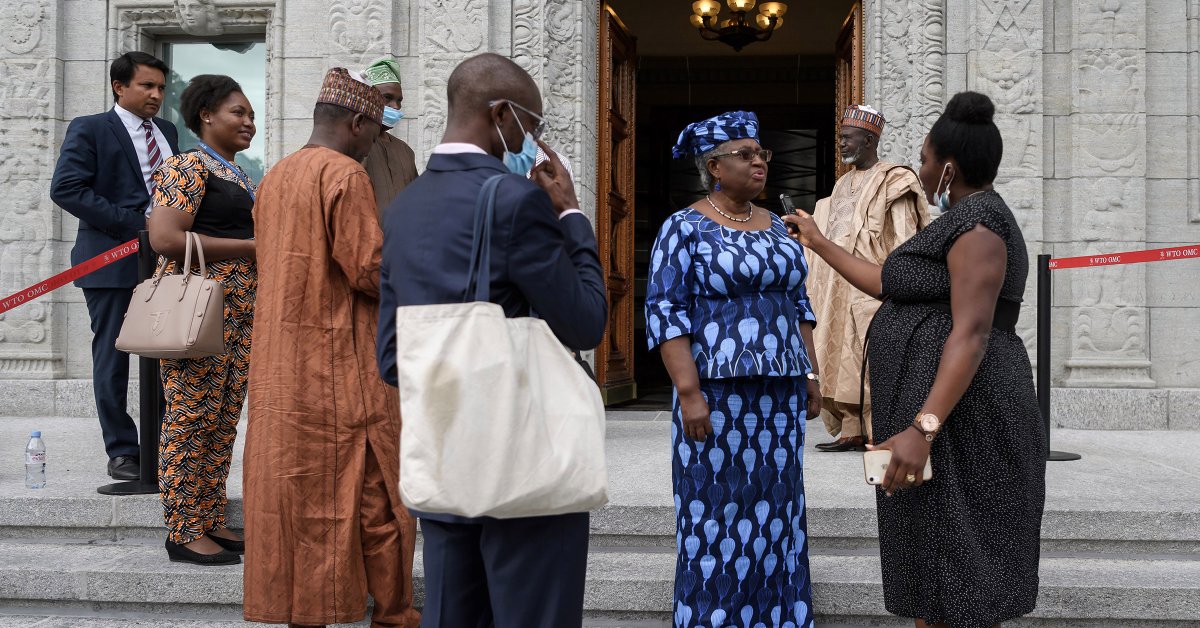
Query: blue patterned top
[739,294]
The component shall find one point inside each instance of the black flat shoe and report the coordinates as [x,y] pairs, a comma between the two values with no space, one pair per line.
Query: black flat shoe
[180,554]
[847,445]
[229,545]
[124,468]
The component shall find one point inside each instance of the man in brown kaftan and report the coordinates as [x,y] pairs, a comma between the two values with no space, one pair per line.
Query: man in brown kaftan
[324,521]
[391,164]
[874,208]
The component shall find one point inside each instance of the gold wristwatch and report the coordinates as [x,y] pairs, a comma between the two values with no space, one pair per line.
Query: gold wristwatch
[928,424]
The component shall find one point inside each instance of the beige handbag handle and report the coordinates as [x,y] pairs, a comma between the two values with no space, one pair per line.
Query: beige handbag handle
[200,256]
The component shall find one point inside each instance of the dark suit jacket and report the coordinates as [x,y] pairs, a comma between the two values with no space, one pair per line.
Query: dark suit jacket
[99,181]
[539,262]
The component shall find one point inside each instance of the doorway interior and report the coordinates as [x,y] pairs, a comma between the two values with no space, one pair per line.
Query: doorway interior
[796,83]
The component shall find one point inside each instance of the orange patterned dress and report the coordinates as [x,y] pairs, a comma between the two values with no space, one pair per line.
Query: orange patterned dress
[204,396]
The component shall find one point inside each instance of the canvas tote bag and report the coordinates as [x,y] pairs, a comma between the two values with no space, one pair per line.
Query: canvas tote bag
[498,418]
[176,316]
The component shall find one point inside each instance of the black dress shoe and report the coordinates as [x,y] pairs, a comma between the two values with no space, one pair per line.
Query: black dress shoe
[124,468]
[230,545]
[180,554]
[850,444]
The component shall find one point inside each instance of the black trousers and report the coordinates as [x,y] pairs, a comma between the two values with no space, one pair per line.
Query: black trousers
[110,369]
[506,573]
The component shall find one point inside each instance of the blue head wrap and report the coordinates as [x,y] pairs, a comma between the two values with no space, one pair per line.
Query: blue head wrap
[700,137]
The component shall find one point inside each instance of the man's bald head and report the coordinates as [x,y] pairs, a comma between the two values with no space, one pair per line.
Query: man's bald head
[485,78]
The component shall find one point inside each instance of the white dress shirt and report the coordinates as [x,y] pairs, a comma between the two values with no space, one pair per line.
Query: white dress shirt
[458,148]
[133,124]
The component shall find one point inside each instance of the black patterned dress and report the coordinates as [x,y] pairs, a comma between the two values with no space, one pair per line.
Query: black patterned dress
[964,547]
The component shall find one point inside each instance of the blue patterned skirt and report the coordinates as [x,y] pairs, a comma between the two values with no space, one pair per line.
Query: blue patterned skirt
[742,534]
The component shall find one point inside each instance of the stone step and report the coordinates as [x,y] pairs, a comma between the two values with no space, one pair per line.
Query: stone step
[621,585]
[1071,408]
[1118,499]
[108,519]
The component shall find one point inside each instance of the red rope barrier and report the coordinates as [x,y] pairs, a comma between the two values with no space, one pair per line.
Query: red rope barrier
[1190,251]
[47,286]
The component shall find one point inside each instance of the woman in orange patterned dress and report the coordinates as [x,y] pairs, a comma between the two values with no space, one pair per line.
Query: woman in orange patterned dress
[204,192]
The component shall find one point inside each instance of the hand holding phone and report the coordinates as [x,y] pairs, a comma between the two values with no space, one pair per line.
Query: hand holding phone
[875,464]
[790,208]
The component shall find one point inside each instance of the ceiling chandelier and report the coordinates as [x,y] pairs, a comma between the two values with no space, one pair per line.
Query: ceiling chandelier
[742,27]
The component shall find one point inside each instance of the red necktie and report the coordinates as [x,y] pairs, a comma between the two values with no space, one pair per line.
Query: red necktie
[153,155]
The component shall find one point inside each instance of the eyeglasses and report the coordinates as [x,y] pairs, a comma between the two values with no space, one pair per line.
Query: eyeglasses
[538,130]
[747,154]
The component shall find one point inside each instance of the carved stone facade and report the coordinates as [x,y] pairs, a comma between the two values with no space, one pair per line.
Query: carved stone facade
[1100,115]
[30,335]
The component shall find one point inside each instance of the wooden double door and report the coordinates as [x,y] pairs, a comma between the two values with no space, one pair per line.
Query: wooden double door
[615,204]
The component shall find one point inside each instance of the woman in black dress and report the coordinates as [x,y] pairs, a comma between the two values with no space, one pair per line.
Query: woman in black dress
[951,382]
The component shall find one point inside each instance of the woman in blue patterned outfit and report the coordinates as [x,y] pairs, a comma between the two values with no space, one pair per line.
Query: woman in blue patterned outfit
[727,306]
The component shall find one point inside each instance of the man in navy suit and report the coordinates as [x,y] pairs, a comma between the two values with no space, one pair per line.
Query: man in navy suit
[103,179]
[480,572]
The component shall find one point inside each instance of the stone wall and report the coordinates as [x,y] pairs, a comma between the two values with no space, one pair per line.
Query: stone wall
[1097,101]
[54,57]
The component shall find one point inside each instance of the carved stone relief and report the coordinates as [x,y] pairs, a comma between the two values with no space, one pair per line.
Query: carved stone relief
[1109,144]
[527,37]
[28,95]
[450,31]
[1109,324]
[21,25]
[199,17]
[454,26]
[358,26]
[1110,80]
[1112,210]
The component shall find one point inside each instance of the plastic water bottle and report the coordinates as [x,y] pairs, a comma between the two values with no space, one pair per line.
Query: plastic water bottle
[35,462]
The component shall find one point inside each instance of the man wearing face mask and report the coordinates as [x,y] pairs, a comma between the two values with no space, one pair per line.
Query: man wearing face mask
[525,572]
[874,208]
[391,163]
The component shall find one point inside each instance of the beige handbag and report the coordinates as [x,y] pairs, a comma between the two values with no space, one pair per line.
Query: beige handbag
[176,316]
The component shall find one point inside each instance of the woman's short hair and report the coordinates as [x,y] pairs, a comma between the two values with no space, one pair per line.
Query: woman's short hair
[966,132]
[206,91]
[706,179]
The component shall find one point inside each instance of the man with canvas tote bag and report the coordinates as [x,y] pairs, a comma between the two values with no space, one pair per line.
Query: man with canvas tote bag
[539,255]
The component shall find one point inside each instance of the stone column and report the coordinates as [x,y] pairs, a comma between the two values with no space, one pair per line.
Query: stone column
[905,69]
[1004,61]
[30,103]
[451,31]
[555,41]
[1106,133]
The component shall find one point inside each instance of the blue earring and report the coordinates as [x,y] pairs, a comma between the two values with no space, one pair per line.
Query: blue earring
[718,187]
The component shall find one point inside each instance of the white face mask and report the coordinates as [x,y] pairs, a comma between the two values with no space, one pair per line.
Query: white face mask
[942,201]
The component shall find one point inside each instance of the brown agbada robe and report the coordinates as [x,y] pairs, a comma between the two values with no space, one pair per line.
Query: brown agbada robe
[392,165]
[869,214]
[324,521]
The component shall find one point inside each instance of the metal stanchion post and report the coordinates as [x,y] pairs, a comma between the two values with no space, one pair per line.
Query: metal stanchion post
[1043,355]
[150,402]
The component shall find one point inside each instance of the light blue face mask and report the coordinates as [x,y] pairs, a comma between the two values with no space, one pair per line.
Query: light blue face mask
[519,163]
[391,116]
[943,200]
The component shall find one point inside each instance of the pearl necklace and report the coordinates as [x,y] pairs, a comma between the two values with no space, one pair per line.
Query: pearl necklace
[749,215]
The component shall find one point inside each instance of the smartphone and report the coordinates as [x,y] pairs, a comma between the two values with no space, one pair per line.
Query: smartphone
[875,464]
[790,208]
